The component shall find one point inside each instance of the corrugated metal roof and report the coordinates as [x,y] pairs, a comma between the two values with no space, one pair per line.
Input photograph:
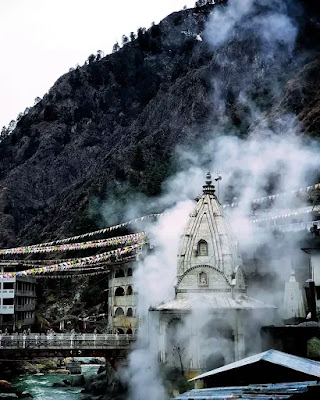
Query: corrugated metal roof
[213,302]
[277,391]
[296,363]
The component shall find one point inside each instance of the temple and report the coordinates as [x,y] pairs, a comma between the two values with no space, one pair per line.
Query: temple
[211,320]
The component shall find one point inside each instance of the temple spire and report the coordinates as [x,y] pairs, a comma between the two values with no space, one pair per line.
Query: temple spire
[208,188]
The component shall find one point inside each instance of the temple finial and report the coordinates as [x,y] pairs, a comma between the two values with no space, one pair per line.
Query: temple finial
[208,178]
[208,188]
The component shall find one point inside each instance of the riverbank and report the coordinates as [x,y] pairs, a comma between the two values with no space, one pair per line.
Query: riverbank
[57,386]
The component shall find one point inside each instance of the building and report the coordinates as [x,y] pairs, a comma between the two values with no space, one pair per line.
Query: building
[270,366]
[122,318]
[293,390]
[314,253]
[268,375]
[17,299]
[211,321]
[302,339]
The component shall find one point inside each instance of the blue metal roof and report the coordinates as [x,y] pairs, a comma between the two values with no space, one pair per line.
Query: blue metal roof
[296,363]
[279,391]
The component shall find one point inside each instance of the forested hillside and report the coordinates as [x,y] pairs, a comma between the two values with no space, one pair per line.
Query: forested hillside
[112,125]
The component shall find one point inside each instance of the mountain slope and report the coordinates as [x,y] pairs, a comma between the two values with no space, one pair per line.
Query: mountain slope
[112,125]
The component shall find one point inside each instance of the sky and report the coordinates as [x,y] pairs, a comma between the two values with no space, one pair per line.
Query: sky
[42,39]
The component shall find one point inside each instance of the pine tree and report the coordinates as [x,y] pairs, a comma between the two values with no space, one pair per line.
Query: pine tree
[115,47]
[124,40]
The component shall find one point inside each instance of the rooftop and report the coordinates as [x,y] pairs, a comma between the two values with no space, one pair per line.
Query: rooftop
[252,392]
[213,302]
[272,356]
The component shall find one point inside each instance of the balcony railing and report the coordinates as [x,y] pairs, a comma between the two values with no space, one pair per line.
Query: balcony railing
[26,293]
[7,293]
[25,307]
[66,341]
[8,279]
[7,309]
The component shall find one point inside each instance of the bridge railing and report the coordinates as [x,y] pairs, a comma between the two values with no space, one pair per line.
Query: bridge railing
[62,340]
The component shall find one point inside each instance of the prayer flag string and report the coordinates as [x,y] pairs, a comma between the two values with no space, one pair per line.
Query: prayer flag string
[278,195]
[121,240]
[79,262]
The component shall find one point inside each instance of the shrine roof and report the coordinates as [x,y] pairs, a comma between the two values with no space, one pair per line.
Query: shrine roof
[213,302]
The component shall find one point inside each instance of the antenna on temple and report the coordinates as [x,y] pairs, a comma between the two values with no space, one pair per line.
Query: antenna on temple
[218,178]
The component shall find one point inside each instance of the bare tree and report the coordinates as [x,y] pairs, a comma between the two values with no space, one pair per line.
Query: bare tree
[179,351]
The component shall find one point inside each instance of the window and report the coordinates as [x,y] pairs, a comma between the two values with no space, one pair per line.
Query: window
[8,285]
[7,318]
[129,291]
[120,331]
[119,273]
[119,291]
[119,312]
[129,331]
[8,302]
[202,248]
[129,312]
[129,271]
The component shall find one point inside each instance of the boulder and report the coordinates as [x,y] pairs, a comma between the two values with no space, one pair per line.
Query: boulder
[62,372]
[58,384]
[59,371]
[5,383]
[25,395]
[77,380]
[8,396]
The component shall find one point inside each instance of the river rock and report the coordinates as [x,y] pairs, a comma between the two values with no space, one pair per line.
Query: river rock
[78,380]
[5,383]
[8,396]
[59,384]
[25,395]
[59,371]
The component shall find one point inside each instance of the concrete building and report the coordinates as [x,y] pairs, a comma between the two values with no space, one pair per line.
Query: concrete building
[211,321]
[122,316]
[17,299]
[314,253]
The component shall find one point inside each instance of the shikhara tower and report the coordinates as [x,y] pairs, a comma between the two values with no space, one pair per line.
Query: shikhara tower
[211,321]
[208,259]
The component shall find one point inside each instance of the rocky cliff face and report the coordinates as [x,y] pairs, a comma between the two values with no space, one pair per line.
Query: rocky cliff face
[113,124]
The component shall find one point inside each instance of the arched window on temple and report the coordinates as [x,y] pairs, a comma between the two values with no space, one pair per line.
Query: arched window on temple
[202,248]
[129,291]
[129,312]
[119,291]
[129,331]
[120,331]
[119,312]
[129,271]
[119,273]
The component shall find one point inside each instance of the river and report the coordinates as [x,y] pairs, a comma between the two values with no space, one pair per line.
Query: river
[40,386]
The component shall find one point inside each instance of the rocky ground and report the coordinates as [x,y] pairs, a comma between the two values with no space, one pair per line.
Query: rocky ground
[7,391]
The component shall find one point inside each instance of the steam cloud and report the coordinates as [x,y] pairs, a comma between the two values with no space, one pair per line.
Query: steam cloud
[253,44]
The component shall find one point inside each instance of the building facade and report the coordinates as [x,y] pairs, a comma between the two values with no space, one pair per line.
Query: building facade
[122,318]
[211,320]
[17,299]
[314,254]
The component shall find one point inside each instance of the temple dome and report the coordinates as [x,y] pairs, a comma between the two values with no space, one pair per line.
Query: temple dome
[208,258]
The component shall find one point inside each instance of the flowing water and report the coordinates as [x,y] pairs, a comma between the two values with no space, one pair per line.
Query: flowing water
[40,386]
